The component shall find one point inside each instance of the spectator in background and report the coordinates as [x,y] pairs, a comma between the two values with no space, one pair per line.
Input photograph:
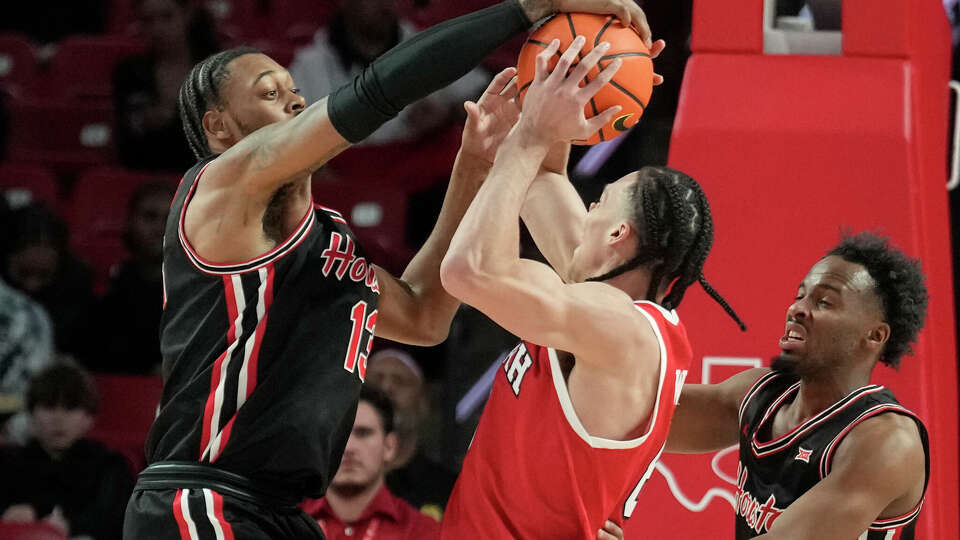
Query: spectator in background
[361,31]
[129,312]
[145,87]
[413,476]
[358,503]
[39,263]
[73,483]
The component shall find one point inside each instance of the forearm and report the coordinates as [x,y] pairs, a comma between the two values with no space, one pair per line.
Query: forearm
[553,213]
[425,63]
[488,238]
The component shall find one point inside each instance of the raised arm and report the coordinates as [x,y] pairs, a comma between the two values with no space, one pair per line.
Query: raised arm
[707,417]
[483,267]
[879,471]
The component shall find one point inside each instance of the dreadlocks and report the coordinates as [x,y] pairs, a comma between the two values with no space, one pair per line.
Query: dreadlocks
[674,213]
[200,91]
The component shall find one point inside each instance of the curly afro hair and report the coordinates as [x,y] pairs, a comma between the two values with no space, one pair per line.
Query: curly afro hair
[899,285]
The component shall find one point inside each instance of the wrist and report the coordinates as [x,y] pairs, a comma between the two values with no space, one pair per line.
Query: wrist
[536,9]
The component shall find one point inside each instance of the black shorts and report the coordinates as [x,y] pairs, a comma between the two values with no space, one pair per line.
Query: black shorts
[217,512]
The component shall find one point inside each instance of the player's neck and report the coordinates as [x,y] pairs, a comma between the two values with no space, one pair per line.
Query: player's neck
[816,395]
[349,504]
[635,283]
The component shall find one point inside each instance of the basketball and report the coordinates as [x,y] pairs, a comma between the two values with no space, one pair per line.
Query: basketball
[631,86]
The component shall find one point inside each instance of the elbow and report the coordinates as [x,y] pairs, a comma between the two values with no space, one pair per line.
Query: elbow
[459,276]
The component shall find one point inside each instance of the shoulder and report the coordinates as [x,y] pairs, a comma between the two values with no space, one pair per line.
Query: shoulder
[885,440]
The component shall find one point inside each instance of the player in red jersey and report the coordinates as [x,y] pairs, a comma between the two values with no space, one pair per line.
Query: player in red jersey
[580,411]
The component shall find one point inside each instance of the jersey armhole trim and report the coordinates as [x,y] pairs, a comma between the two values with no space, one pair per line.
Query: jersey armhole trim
[272,256]
[753,390]
[566,404]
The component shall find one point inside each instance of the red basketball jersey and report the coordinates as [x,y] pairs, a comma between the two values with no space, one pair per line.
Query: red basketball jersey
[533,471]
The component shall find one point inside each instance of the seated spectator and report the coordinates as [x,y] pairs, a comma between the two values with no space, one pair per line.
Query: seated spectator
[358,503]
[129,313]
[26,347]
[145,87]
[60,477]
[39,263]
[413,476]
[361,31]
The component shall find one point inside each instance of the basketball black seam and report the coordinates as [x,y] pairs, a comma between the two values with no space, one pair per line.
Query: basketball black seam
[628,94]
[624,55]
[606,25]
[573,29]
[524,87]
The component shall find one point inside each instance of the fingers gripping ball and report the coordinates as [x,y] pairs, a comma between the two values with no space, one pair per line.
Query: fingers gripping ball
[631,86]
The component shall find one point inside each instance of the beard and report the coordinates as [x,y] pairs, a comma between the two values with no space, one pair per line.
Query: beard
[786,364]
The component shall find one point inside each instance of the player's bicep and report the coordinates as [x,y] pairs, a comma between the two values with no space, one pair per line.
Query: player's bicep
[530,300]
[271,156]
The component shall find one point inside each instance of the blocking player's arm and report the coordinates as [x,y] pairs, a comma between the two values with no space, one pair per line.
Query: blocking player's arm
[878,468]
[553,211]
[707,417]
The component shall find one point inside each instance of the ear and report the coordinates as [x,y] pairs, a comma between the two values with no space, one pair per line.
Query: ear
[879,335]
[214,125]
[390,447]
[621,231]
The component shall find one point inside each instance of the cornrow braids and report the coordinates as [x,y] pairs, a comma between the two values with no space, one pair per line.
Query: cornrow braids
[200,91]
[675,216]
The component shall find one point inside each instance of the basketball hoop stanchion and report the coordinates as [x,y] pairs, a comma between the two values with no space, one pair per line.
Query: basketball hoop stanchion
[955,156]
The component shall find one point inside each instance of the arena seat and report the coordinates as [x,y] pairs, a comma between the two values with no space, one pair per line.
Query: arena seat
[98,213]
[128,405]
[67,136]
[791,150]
[18,62]
[24,184]
[30,531]
[82,67]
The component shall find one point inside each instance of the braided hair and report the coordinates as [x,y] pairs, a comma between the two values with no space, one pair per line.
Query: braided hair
[673,211]
[200,91]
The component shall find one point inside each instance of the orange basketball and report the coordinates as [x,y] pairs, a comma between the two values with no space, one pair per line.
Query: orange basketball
[631,86]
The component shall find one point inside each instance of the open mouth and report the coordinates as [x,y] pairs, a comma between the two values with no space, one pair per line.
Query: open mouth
[794,336]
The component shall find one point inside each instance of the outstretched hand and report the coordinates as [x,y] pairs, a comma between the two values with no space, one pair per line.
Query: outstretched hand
[553,108]
[491,117]
[626,10]
[610,531]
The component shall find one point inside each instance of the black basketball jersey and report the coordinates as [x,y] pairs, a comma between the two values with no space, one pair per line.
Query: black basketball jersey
[263,360]
[772,473]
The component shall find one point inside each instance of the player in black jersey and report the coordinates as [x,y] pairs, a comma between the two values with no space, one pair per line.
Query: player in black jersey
[269,304]
[823,453]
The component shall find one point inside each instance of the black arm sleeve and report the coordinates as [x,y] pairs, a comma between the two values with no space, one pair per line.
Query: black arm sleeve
[419,66]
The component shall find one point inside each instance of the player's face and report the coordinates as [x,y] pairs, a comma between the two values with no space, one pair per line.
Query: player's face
[367,452]
[830,321]
[600,231]
[258,92]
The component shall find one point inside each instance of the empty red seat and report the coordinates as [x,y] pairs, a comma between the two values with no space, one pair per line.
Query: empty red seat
[30,531]
[83,66]
[65,135]
[98,214]
[18,62]
[128,405]
[25,184]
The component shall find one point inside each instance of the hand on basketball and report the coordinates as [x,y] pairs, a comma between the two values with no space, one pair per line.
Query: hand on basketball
[491,117]
[553,108]
[626,10]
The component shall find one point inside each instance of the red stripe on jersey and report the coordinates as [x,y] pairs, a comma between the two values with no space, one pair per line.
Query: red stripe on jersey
[258,335]
[224,437]
[218,513]
[208,410]
[178,515]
